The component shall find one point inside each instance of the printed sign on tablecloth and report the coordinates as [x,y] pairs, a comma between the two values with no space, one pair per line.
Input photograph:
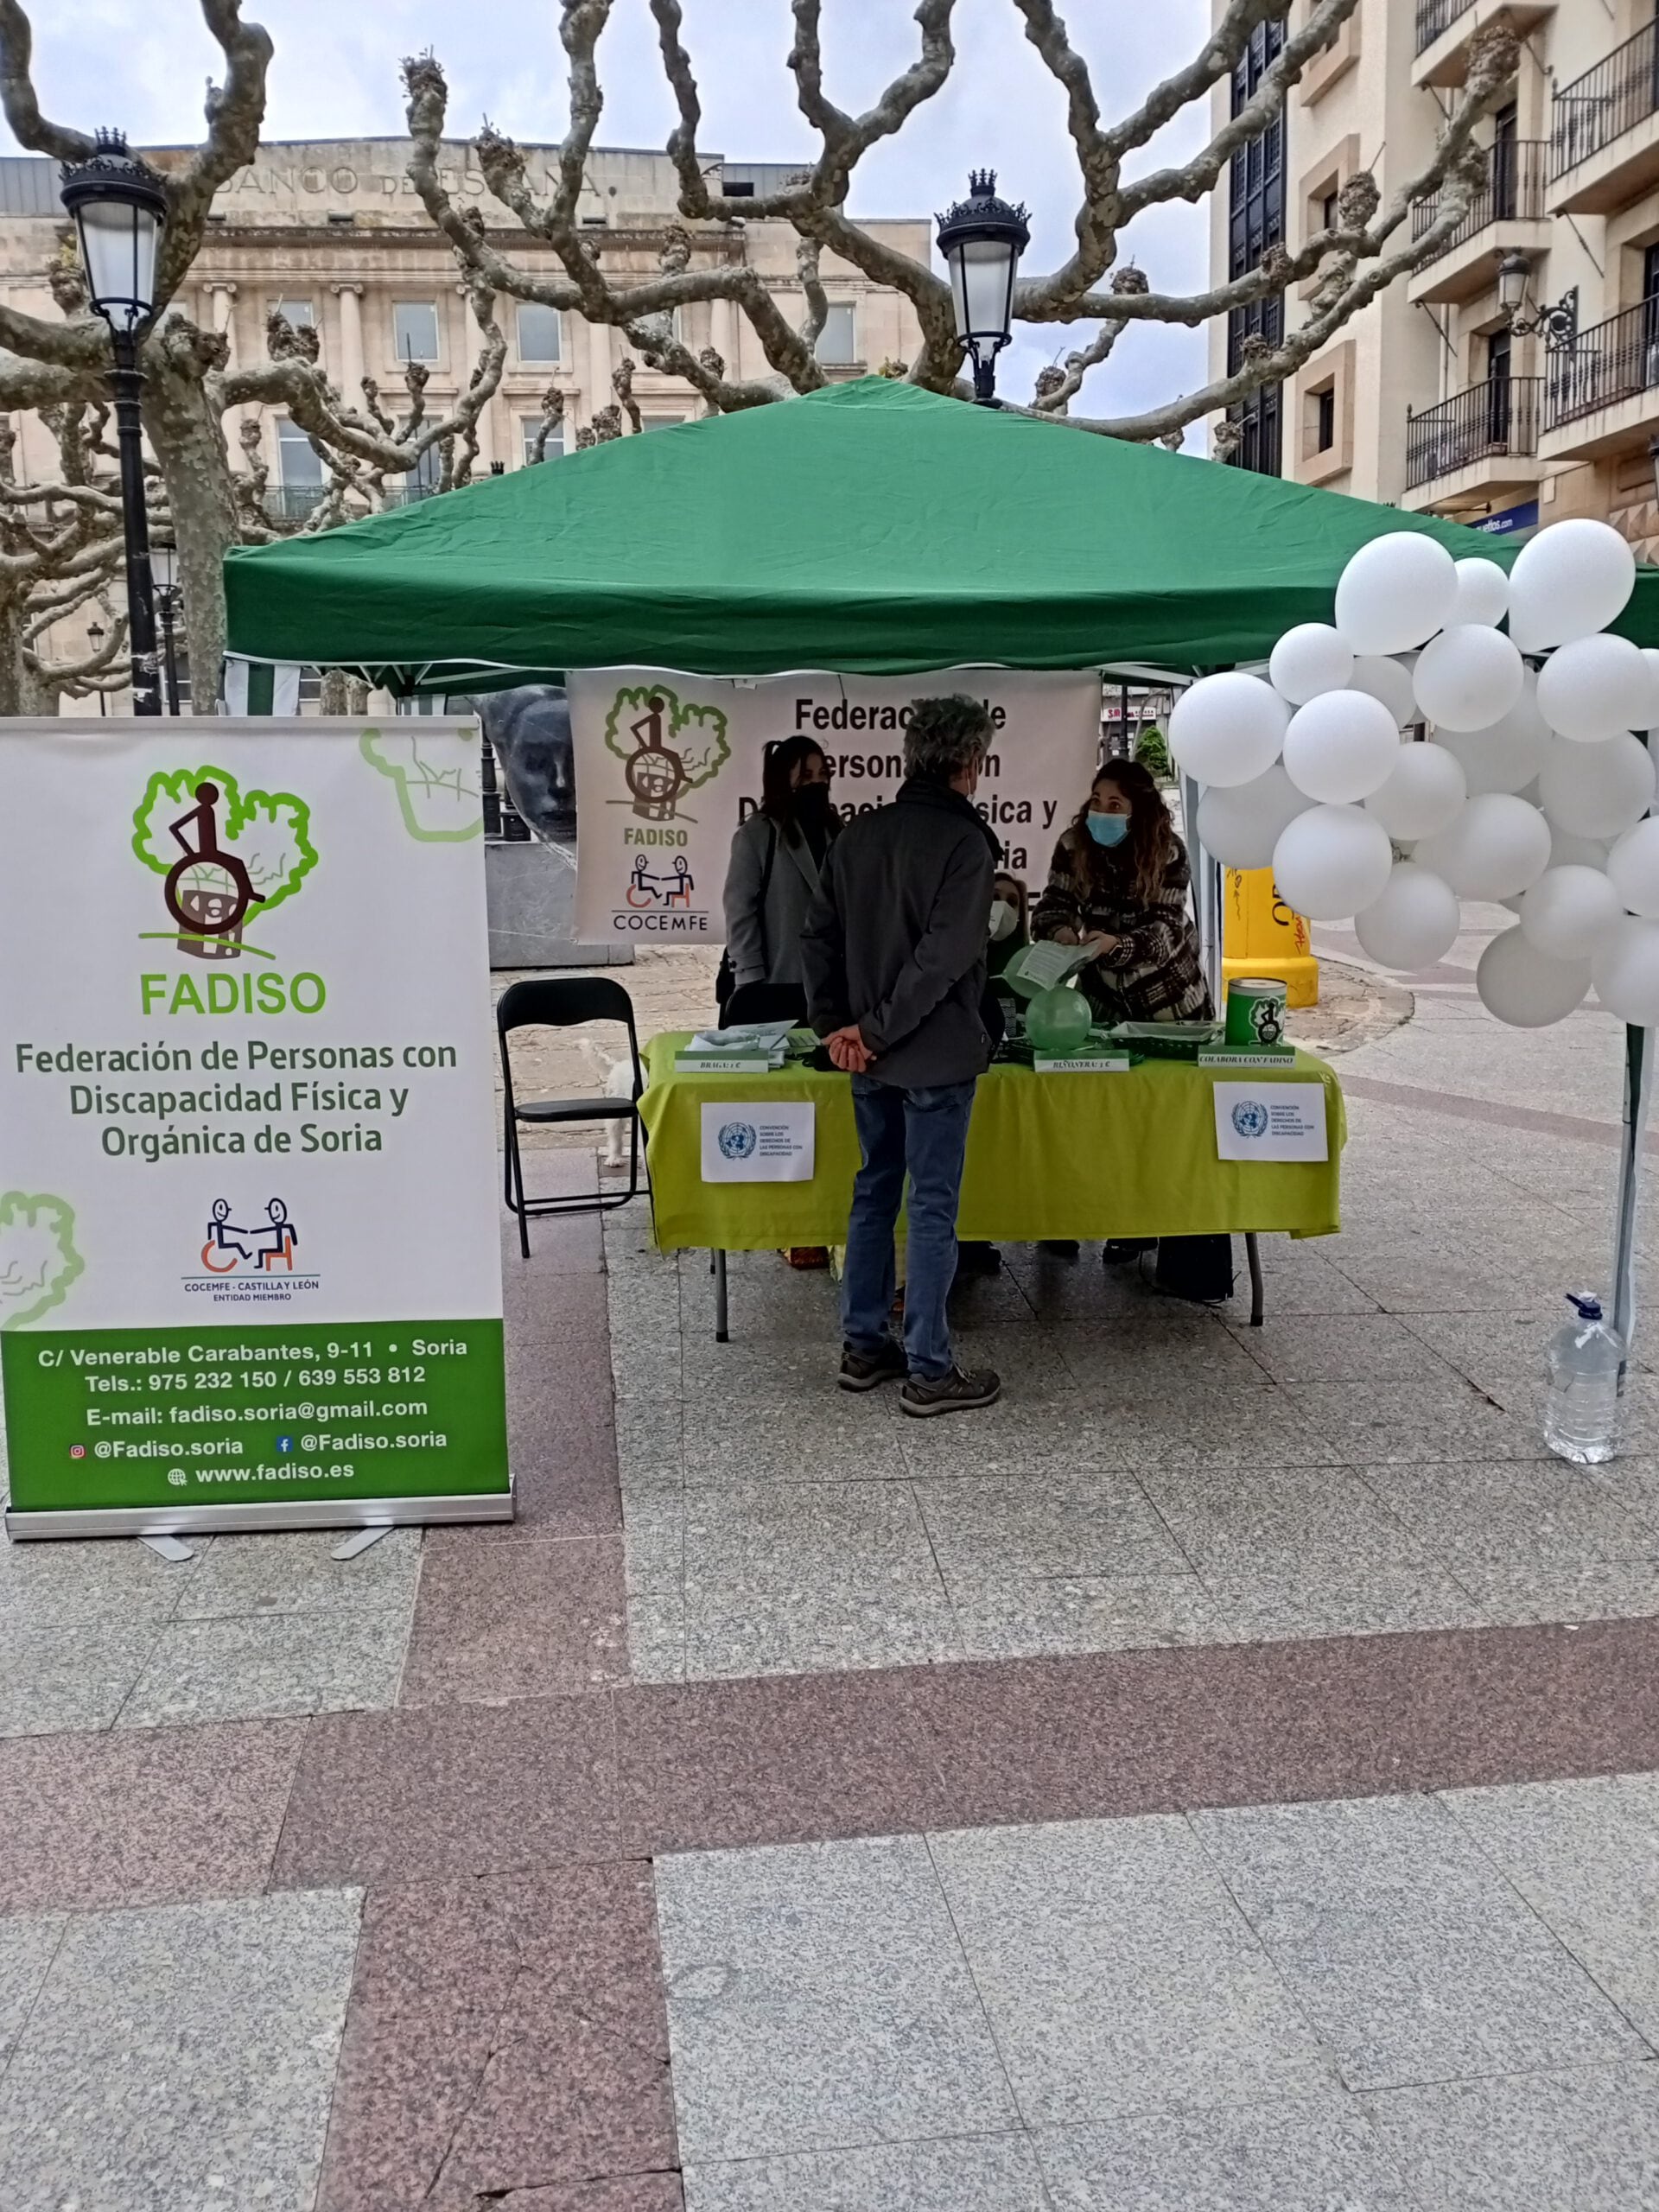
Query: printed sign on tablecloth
[1270,1121]
[669,765]
[755,1140]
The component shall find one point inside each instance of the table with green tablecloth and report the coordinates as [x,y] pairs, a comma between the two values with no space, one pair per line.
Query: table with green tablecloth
[1131,1154]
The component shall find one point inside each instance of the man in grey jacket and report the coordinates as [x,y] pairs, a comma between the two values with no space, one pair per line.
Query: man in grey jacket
[893,953]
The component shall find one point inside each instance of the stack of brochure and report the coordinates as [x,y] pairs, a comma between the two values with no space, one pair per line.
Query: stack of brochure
[751,1048]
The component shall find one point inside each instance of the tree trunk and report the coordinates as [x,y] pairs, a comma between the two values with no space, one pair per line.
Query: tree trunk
[20,693]
[336,692]
[189,445]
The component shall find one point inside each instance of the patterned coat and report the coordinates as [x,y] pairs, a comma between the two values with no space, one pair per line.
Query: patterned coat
[1153,973]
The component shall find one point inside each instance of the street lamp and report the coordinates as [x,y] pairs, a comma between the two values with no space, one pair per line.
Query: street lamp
[1559,324]
[164,571]
[981,239]
[118,206]
[95,635]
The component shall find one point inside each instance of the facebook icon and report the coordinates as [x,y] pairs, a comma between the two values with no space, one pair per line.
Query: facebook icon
[284,1444]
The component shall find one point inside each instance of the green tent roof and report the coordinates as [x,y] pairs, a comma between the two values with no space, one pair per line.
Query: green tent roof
[873,527]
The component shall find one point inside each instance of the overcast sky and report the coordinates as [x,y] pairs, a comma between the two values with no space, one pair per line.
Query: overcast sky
[141,66]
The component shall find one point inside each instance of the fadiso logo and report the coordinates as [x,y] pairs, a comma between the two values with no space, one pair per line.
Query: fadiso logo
[667,747]
[225,855]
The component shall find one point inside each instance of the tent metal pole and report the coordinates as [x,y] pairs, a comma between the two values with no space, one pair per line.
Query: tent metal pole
[1638,1084]
[1206,892]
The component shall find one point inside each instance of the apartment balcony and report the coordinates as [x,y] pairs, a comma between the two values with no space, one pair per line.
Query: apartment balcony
[1601,391]
[292,502]
[1604,130]
[1445,30]
[1505,213]
[1475,446]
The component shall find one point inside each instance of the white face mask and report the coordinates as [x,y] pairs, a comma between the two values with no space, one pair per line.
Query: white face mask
[1003,918]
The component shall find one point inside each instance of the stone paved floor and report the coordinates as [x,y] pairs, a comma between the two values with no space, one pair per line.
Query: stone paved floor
[1226,1777]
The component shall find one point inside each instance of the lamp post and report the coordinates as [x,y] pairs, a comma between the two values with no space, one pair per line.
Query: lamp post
[164,572]
[981,239]
[95,635]
[119,209]
[1559,324]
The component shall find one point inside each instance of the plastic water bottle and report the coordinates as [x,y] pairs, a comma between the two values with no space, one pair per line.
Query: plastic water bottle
[1581,1411]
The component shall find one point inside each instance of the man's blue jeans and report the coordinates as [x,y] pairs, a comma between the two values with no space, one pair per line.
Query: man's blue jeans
[923,1133]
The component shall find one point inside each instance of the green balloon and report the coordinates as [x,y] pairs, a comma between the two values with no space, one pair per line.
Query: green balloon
[1056,1022]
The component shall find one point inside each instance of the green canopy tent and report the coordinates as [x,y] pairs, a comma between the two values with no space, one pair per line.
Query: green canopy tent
[872,528]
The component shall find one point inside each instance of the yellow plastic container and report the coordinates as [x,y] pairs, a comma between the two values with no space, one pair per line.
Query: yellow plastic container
[1261,935]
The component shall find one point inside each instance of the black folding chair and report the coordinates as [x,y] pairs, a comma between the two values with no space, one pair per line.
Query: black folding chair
[560,1003]
[766,1002]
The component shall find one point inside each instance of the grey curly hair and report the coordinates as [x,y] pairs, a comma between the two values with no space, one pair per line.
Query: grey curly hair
[943,736]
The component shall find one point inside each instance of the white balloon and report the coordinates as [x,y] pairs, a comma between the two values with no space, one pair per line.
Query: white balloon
[1396,592]
[1468,677]
[1508,755]
[1311,658]
[1240,824]
[1495,847]
[1595,790]
[1524,987]
[1633,869]
[1389,681]
[1341,747]
[1625,972]
[1594,686]
[1650,662]
[1226,729]
[1331,862]
[1483,593]
[1414,923]
[1569,912]
[1568,851]
[1426,787]
[1572,579]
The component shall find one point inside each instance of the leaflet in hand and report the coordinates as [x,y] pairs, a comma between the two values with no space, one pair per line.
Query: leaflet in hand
[1040,967]
[745,1037]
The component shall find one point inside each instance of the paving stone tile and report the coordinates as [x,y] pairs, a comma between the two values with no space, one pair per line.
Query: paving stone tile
[653,1539]
[1330,1600]
[1584,1854]
[1308,1519]
[452,1791]
[526,1620]
[135,1819]
[562,1450]
[1341,1347]
[649,1442]
[657,1636]
[778,1761]
[1311,2153]
[1601,1590]
[818,1999]
[1084,1523]
[503,2033]
[1141,1355]
[1433,1421]
[115,1582]
[822,1444]
[1298,1278]
[1118,1974]
[818,1613]
[297,1574]
[1033,1364]
[1585,2141]
[251,1667]
[76,1676]
[764,1531]
[1197,1428]
[1004,1441]
[1512,1513]
[629,2193]
[1414,1959]
[178,2051]
[28,1942]
[964,2173]
[997,1617]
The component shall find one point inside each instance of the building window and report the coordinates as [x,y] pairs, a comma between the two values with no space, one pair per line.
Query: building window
[530,429]
[298,461]
[1329,212]
[415,330]
[428,472]
[1256,221]
[837,345]
[538,333]
[659,422]
[1325,419]
[298,315]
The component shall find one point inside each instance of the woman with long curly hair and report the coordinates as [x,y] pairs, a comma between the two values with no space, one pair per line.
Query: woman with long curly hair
[1118,883]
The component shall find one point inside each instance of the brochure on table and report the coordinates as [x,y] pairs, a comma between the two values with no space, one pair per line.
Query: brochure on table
[250,1271]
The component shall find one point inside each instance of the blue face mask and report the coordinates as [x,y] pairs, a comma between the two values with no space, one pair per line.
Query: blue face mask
[1108,828]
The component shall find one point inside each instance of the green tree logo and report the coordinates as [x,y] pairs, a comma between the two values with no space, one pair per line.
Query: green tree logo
[667,747]
[38,1259]
[440,791]
[223,853]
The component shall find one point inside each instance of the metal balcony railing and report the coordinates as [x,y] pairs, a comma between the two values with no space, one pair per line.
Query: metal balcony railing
[406,493]
[1488,422]
[1610,361]
[293,502]
[1434,16]
[1512,191]
[1620,91]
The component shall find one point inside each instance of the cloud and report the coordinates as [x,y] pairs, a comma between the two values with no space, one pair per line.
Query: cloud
[140,64]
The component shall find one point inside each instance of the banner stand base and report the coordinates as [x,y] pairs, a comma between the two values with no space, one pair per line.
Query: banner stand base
[229,1520]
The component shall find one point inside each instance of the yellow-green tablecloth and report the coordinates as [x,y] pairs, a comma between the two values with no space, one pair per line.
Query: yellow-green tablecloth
[1048,1156]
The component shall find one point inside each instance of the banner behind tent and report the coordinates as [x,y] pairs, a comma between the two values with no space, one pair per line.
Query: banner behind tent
[249,1266]
[668,765]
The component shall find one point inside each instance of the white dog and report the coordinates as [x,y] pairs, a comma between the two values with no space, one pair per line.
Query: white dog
[616,1081]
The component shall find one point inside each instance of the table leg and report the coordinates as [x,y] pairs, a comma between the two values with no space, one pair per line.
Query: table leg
[721,1334]
[1258,1296]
